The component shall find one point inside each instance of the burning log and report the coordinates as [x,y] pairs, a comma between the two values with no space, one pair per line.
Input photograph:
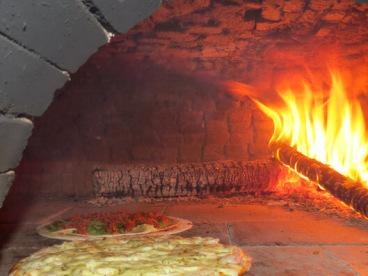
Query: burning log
[186,179]
[349,191]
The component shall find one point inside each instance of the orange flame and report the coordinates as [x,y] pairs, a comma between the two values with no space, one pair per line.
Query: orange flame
[330,130]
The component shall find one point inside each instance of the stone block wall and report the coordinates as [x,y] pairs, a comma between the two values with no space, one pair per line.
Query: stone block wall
[41,44]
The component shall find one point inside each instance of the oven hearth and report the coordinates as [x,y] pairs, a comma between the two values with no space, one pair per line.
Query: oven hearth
[284,235]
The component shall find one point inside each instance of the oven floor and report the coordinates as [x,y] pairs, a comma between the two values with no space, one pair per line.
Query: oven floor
[280,240]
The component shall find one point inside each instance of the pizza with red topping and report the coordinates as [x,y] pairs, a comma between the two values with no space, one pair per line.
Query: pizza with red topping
[112,224]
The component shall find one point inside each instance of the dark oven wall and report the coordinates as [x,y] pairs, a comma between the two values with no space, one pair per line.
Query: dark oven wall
[156,93]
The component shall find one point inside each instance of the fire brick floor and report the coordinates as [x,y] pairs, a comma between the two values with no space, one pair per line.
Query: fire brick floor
[280,241]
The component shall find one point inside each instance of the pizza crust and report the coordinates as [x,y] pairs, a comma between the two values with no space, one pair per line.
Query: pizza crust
[164,255]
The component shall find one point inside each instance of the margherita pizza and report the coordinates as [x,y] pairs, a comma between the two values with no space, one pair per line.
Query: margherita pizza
[112,224]
[158,255]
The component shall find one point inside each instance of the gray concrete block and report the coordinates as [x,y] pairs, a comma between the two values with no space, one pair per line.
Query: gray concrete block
[14,134]
[6,180]
[27,83]
[62,31]
[125,14]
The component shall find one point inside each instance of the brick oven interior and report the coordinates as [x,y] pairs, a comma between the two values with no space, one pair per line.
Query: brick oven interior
[130,84]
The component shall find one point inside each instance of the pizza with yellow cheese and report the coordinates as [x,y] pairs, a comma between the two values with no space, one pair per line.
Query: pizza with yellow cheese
[120,223]
[150,255]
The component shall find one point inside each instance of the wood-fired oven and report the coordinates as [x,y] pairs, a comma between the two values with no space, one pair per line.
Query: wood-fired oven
[151,115]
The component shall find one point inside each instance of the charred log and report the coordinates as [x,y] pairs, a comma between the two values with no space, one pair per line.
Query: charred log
[349,191]
[186,179]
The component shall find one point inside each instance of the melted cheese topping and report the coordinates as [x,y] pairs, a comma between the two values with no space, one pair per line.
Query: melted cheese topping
[147,256]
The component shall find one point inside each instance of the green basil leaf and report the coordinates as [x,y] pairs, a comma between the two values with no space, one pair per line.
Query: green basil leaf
[120,227]
[97,231]
[96,223]
[96,228]
[55,226]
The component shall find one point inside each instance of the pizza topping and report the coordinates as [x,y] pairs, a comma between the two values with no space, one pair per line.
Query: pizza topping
[168,255]
[97,228]
[120,227]
[111,223]
[55,226]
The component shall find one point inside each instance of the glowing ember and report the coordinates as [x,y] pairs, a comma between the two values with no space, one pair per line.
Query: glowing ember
[324,125]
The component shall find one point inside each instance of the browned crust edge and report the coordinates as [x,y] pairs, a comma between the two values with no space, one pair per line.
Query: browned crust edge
[15,271]
[245,263]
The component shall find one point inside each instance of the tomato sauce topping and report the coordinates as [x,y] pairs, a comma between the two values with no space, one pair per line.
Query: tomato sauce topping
[117,222]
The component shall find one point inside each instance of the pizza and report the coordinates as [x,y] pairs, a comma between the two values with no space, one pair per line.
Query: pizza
[149,255]
[120,223]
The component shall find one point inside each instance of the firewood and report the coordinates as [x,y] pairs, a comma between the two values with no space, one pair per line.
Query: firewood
[192,179]
[352,193]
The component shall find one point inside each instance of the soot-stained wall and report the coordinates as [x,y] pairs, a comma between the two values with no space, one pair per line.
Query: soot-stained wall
[155,94]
